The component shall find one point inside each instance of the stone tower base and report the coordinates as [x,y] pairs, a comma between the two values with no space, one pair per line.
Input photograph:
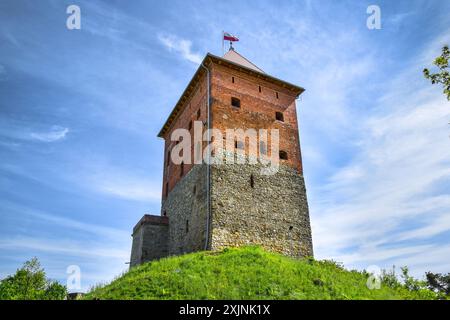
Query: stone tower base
[268,210]
[247,208]
[149,239]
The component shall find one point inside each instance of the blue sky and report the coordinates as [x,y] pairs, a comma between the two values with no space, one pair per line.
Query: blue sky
[80,111]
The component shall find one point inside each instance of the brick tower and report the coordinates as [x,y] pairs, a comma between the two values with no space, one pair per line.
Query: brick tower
[210,206]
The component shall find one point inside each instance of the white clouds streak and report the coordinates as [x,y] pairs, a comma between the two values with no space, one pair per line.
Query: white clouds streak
[393,188]
[180,46]
[56,133]
[118,182]
[130,188]
[71,248]
[18,130]
[78,225]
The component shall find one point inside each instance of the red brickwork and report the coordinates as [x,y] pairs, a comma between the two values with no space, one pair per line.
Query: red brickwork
[259,101]
[257,109]
[189,113]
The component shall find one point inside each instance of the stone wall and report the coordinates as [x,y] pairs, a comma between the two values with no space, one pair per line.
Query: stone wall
[247,208]
[186,208]
[272,213]
[150,239]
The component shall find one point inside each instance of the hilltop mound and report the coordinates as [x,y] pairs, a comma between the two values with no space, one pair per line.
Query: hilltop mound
[246,273]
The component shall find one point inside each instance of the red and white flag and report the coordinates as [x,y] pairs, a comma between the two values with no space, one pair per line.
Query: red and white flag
[229,37]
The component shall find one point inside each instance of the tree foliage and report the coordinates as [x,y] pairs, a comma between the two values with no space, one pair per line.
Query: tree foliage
[443,75]
[438,282]
[31,283]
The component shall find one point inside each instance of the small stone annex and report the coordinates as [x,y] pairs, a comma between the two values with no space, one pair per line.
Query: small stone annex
[211,206]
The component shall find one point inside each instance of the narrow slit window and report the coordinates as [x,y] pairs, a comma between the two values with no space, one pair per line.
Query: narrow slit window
[190,125]
[165,213]
[276,94]
[181,169]
[259,89]
[167,189]
[199,113]
[279,116]
[187,226]
[283,155]
[235,102]
[194,190]
[232,79]
[168,158]
[252,181]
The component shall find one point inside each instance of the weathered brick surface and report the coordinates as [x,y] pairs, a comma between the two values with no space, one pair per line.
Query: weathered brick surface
[257,109]
[195,103]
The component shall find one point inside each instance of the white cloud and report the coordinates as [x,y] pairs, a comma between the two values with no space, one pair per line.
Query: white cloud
[56,133]
[372,255]
[389,201]
[399,18]
[431,228]
[131,188]
[63,247]
[118,182]
[13,129]
[98,261]
[100,251]
[401,158]
[180,46]
[11,145]
[61,221]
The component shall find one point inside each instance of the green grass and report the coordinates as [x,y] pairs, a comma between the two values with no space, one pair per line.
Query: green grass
[246,273]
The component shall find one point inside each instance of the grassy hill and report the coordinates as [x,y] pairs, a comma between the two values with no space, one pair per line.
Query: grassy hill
[246,273]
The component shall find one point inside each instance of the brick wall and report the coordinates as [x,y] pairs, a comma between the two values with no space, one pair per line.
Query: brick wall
[194,105]
[259,99]
[257,109]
